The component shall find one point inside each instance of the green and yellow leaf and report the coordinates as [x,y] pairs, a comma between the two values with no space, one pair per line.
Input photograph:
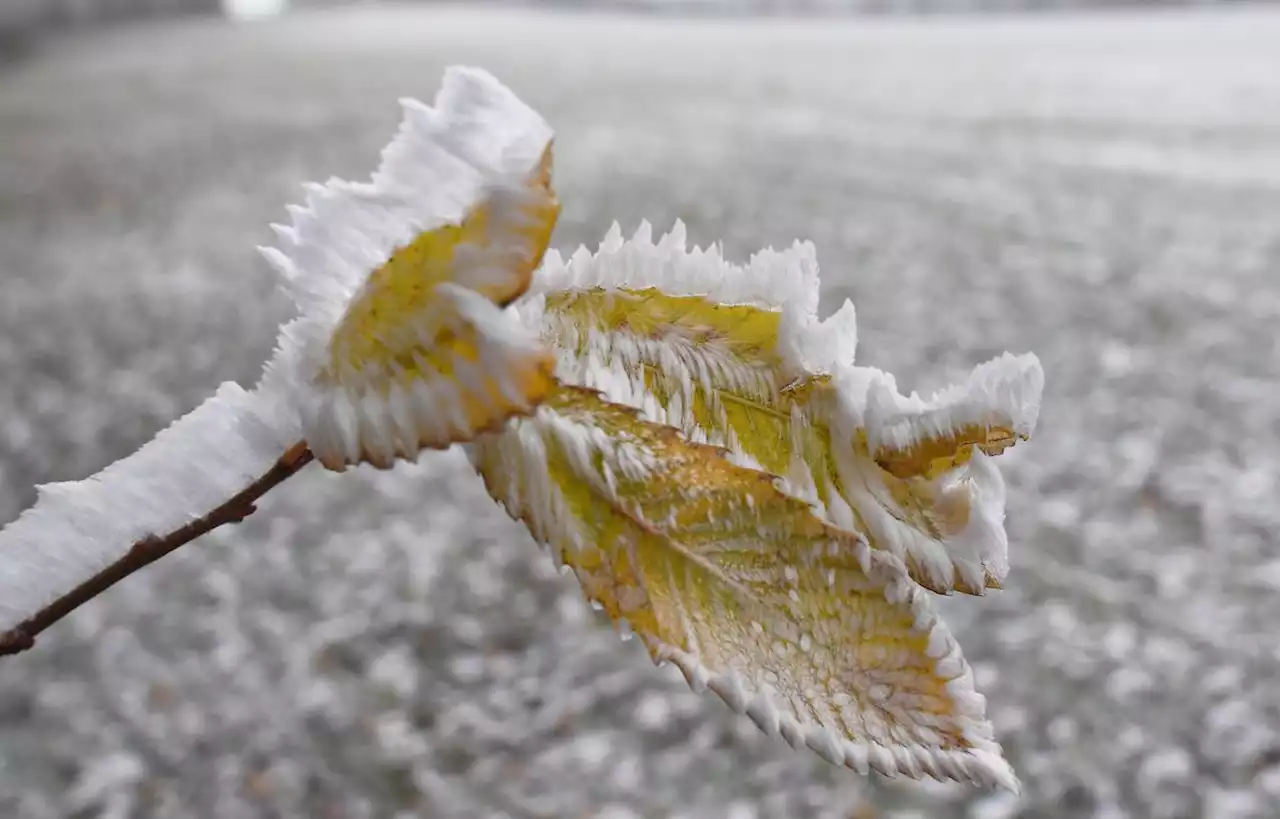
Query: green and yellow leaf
[401,342]
[905,479]
[792,621]
[426,337]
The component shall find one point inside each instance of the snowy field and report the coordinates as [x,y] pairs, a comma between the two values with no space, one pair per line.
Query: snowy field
[1104,191]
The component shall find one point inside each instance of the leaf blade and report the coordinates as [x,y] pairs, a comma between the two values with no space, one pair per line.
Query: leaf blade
[424,353]
[799,625]
[898,470]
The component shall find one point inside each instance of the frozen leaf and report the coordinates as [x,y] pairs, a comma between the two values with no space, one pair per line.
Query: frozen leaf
[401,342]
[736,356]
[794,622]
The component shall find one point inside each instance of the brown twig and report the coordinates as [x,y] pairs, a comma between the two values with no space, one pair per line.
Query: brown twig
[152,548]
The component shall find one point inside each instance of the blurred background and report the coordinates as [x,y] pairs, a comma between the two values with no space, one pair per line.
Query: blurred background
[1099,186]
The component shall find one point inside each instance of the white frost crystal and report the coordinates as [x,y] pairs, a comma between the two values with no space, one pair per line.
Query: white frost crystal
[785,281]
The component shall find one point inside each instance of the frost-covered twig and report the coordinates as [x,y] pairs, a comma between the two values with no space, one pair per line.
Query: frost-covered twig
[153,547]
[400,344]
[684,433]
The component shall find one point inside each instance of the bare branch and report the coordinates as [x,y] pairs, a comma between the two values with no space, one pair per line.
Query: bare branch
[152,548]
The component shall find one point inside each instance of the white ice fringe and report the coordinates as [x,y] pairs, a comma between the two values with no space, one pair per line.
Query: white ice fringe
[780,281]
[1004,391]
[444,159]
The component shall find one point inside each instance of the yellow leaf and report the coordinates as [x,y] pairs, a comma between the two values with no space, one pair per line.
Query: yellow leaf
[716,372]
[707,366]
[424,357]
[790,620]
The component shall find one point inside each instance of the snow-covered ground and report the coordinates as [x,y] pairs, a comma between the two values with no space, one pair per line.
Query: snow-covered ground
[1104,191]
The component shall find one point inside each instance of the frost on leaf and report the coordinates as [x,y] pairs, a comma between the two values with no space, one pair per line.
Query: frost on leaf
[700,449]
[796,623]
[736,356]
[401,343]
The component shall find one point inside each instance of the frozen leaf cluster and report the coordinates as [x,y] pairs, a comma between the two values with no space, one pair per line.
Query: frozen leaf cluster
[762,512]
[399,342]
[683,432]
